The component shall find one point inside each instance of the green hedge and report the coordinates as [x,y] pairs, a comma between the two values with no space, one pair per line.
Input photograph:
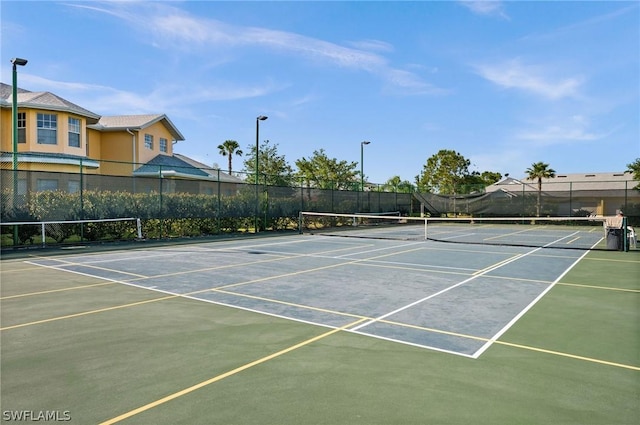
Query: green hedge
[162,215]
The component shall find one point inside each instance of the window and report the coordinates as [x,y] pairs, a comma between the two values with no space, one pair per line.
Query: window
[47,129]
[46,184]
[73,186]
[22,186]
[148,141]
[22,127]
[163,144]
[74,132]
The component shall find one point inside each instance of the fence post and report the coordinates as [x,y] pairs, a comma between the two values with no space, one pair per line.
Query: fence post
[301,194]
[81,201]
[219,205]
[333,188]
[523,213]
[160,211]
[265,204]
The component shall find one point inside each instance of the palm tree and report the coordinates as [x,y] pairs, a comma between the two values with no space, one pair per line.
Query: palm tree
[228,148]
[539,171]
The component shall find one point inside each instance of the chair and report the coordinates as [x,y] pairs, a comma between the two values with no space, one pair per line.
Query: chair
[631,237]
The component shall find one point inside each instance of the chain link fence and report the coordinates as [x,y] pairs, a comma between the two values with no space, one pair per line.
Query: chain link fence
[189,201]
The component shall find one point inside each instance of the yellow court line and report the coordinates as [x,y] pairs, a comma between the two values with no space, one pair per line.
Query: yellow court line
[443,332]
[306,307]
[598,287]
[498,264]
[72,288]
[438,331]
[280,257]
[435,269]
[53,319]
[611,260]
[226,375]
[510,234]
[426,268]
[510,344]
[22,270]
[330,266]
[177,295]
[220,289]
[71,263]
[208,289]
[571,356]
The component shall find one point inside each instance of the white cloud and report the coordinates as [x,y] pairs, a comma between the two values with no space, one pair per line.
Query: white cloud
[177,30]
[486,8]
[530,78]
[571,130]
[109,101]
[407,83]
[372,45]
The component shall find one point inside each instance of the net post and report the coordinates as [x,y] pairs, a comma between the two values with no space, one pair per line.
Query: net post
[42,232]
[300,222]
[425,229]
[139,228]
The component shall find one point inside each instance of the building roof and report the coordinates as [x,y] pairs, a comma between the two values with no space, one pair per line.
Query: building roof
[52,102]
[43,100]
[51,158]
[213,172]
[564,182]
[137,123]
[170,166]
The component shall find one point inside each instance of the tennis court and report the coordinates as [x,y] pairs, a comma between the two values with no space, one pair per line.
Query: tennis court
[317,329]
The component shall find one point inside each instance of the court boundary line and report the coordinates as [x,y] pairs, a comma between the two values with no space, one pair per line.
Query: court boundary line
[604,288]
[472,277]
[528,307]
[171,295]
[62,267]
[51,291]
[222,376]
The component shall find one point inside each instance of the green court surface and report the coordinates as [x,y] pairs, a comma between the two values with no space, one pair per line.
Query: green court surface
[312,330]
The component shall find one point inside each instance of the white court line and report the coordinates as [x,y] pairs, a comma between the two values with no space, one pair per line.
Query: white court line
[413,344]
[371,321]
[483,272]
[506,327]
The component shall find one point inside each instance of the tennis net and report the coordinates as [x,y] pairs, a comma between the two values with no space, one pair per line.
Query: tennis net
[586,233]
[47,233]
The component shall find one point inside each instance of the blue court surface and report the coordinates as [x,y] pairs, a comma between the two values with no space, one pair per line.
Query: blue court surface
[446,297]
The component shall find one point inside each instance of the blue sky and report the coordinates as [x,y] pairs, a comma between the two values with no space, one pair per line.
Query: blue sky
[505,84]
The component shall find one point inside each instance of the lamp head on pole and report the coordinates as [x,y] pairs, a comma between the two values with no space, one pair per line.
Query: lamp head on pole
[261,118]
[19,61]
[365,142]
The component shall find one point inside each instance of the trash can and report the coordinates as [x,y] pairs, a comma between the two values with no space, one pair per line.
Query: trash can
[614,239]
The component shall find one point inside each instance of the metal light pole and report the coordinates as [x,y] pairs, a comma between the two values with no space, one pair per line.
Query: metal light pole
[16,62]
[257,170]
[362,164]
[14,134]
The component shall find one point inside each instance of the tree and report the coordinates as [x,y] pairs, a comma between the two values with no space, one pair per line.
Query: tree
[274,169]
[443,172]
[634,168]
[396,184]
[327,173]
[539,171]
[228,148]
[476,182]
